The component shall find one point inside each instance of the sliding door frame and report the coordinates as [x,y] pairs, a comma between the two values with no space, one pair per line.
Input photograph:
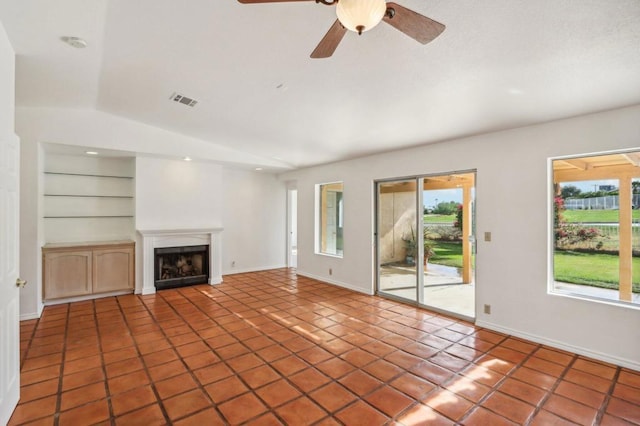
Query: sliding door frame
[419,224]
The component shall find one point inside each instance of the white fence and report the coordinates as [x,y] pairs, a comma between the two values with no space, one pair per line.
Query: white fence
[609,202]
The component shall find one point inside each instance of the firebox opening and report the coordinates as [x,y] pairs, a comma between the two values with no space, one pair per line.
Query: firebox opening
[181,266]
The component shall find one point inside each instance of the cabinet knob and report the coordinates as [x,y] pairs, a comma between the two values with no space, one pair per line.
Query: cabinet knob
[20,283]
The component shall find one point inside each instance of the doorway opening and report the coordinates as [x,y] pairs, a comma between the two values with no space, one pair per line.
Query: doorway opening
[425,229]
[292,228]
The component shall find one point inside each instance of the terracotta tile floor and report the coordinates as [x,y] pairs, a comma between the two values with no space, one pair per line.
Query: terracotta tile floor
[273,348]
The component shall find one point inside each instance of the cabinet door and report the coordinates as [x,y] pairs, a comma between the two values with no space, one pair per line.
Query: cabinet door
[67,274]
[113,269]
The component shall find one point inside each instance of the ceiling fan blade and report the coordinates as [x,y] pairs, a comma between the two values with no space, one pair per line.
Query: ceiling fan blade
[267,1]
[330,41]
[413,24]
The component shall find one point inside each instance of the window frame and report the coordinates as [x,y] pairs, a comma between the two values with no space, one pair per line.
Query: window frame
[319,232]
[551,282]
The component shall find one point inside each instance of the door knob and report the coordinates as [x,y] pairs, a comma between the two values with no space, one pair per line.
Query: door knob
[20,283]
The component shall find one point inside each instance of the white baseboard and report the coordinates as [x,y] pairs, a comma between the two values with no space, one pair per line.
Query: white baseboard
[29,316]
[33,315]
[624,362]
[255,269]
[87,297]
[335,282]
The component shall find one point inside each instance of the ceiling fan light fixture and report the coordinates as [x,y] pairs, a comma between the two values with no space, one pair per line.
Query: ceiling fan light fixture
[360,15]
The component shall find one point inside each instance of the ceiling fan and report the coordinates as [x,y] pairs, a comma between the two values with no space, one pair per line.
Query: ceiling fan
[363,15]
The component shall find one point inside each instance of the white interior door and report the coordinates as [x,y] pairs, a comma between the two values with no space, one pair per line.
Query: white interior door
[9,292]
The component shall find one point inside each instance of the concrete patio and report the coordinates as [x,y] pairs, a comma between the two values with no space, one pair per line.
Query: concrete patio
[443,287]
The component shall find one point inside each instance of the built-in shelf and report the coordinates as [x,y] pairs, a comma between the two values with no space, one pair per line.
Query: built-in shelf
[88,196]
[88,199]
[88,175]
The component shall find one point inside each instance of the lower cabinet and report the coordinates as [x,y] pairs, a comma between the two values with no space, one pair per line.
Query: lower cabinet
[86,269]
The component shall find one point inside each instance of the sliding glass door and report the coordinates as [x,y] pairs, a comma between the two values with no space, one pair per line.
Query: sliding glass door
[425,241]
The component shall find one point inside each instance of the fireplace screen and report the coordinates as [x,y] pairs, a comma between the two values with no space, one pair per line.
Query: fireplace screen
[181,266]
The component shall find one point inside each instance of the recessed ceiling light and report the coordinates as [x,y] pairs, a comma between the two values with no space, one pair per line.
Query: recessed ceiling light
[91,152]
[76,42]
[258,169]
[516,92]
[187,158]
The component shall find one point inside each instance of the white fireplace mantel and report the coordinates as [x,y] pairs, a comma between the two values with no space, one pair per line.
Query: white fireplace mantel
[148,240]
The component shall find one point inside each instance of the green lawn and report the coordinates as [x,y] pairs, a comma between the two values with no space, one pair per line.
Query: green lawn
[595,216]
[593,269]
[439,218]
[598,270]
[447,253]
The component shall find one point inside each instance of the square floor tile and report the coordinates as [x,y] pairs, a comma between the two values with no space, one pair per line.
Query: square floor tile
[389,401]
[175,385]
[213,373]
[33,410]
[209,417]
[509,407]
[570,410]
[412,385]
[448,404]
[361,413]
[259,376]
[82,395]
[301,411]
[289,365]
[580,394]
[309,379]
[149,416]
[624,410]
[186,403]
[277,393]
[522,391]
[225,389]
[483,417]
[128,381]
[242,408]
[86,414]
[39,390]
[244,362]
[332,396]
[132,400]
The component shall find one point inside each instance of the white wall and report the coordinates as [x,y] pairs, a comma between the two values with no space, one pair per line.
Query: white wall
[174,194]
[7,85]
[254,207]
[512,203]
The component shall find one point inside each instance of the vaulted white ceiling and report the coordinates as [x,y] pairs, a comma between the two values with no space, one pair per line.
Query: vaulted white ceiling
[498,65]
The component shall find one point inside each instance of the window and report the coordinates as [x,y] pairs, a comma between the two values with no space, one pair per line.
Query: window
[329,236]
[596,227]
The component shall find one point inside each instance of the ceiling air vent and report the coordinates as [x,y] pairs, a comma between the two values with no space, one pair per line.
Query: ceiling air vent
[183,99]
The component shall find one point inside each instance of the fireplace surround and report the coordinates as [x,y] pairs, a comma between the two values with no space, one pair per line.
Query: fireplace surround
[150,240]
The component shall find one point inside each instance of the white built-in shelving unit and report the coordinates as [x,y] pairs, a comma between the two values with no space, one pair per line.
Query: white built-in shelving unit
[88,199]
